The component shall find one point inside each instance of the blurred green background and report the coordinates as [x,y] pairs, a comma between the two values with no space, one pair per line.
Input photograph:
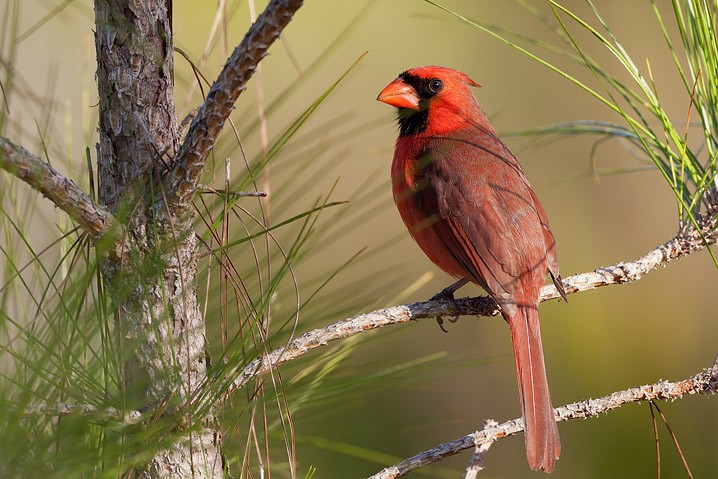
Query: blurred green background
[663,327]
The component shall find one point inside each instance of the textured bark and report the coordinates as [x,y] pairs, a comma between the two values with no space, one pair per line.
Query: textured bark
[138,126]
[149,186]
[63,192]
[154,288]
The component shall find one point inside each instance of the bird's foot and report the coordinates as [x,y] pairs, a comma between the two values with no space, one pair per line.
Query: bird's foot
[447,294]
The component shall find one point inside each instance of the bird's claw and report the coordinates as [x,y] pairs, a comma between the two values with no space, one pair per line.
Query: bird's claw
[449,297]
[440,322]
[447,294]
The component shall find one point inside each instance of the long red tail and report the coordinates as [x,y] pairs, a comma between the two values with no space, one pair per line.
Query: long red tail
[543,445]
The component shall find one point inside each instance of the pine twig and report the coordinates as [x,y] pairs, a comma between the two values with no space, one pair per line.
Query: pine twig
[476,462]
[705,382]
[686,242]
[63,409]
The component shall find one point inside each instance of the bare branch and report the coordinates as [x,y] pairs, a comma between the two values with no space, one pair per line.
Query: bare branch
[476,462]
[687,241]
[62,409]
[684,243]
[63,192]
[703,382]
[206,189]
[206,126]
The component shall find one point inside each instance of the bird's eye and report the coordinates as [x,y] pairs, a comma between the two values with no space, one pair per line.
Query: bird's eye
[436,85]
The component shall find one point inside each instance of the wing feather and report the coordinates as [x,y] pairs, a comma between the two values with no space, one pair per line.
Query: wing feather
[487,216]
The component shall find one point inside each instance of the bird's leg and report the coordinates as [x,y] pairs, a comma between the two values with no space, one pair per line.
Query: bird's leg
[447,294]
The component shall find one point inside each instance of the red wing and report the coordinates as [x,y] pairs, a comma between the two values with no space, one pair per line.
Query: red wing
[486,216]
[550,242]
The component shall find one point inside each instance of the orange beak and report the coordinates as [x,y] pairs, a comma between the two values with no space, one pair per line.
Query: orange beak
[399,95]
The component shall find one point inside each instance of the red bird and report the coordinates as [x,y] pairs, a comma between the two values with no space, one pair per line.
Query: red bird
[466,201]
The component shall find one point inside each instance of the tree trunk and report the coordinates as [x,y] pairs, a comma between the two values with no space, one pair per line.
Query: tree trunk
[154,288]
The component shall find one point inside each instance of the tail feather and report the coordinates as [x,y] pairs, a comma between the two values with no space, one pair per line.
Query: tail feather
[543,445]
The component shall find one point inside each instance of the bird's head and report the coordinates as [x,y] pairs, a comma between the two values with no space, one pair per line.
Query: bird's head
[432,100]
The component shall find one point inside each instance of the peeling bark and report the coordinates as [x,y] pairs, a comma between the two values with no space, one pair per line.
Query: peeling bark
[138,126]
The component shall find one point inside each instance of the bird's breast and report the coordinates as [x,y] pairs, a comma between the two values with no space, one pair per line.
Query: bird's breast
[420,218]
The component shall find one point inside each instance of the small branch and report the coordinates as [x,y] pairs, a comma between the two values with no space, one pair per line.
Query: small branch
[703,382]
[684,243]
[206,189]
[63,192]
[62,409]
[232,81]
[476,462]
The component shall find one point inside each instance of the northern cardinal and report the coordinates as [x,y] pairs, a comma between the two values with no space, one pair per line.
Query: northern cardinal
[466,201]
